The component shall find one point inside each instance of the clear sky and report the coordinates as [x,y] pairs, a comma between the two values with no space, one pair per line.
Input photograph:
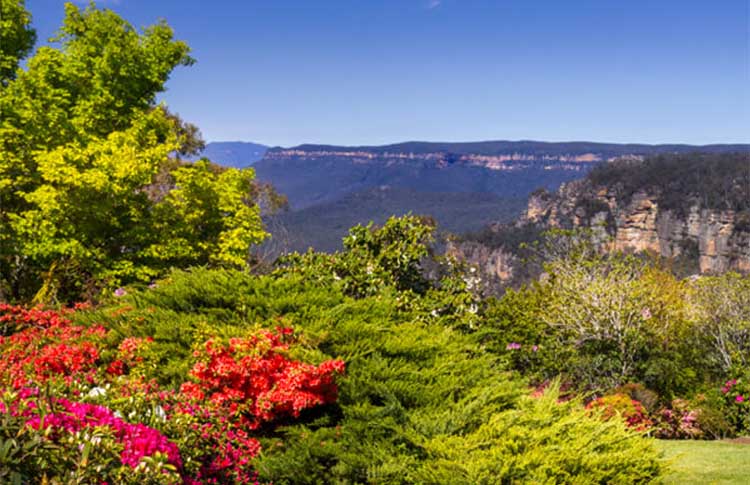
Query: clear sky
[285,72]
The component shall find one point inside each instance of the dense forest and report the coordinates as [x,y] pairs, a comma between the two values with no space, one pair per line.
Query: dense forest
[718,181]
[142,343]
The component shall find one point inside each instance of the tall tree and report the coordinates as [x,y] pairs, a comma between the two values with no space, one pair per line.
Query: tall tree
[16,37]
[91,191]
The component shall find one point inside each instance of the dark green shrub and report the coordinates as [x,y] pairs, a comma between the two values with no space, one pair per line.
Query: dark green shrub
[423,397]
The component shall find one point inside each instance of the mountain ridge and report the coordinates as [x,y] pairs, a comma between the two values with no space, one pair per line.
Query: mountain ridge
[492,146]
[312,174]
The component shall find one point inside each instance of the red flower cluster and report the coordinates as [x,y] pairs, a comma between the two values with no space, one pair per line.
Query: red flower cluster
[129,355]
[622,405]
[15,318]
[252,375]
[237,387]
[46,346]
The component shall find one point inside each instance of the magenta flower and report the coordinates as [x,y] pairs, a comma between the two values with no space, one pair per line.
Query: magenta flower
[513,346]
[739,398]
[120,292]
[138,440]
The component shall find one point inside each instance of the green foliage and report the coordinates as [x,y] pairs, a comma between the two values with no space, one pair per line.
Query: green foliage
[422,400]
[625,321]
[206,218]
[373,258]
[610,322]
[90,191]
[387,256]
[600,321]
[719,306]
[16,37]
[542,441]
[513,326]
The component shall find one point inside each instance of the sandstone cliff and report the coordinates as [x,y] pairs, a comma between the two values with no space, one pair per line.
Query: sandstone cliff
[721,238]
[694,209]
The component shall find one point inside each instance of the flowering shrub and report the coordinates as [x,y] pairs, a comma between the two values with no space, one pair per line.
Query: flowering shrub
[130,354]
[14,318]
[251,376]
[80,432]
[630,410]
[736,394]
[679,421]
[203,433]
[47,346]
[137,440]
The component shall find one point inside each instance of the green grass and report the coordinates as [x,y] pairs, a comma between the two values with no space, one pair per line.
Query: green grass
[706,462]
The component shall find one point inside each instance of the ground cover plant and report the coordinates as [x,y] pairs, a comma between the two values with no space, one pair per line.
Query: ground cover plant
[234,378]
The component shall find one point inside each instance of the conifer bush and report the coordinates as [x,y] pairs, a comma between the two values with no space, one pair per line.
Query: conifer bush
[274,378]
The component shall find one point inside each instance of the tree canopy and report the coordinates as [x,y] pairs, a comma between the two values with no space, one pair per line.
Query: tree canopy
[16,37]
[92,191]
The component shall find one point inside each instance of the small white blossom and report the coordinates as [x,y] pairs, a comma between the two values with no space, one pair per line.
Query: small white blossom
[97,392]
[159,413]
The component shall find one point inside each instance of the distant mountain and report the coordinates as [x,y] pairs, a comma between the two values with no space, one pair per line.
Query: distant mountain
[526,147]
[316,174]
[238,154]
[462,185]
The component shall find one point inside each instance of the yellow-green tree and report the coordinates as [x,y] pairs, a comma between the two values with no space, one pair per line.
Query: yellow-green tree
[92,193]
[16,37]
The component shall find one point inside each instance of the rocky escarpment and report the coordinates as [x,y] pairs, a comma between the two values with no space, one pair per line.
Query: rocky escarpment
[717,239]
[691,209]
[509,161]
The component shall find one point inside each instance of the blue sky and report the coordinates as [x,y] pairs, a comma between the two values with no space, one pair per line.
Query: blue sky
[285,72]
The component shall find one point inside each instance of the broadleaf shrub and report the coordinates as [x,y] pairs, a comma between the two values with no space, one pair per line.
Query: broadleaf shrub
[622,406]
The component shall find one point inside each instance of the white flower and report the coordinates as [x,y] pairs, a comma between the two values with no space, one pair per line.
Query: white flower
[159,413]
[97,392]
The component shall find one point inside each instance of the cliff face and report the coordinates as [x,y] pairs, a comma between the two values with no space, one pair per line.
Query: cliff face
[720,239]
[509,161]
[693,209]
